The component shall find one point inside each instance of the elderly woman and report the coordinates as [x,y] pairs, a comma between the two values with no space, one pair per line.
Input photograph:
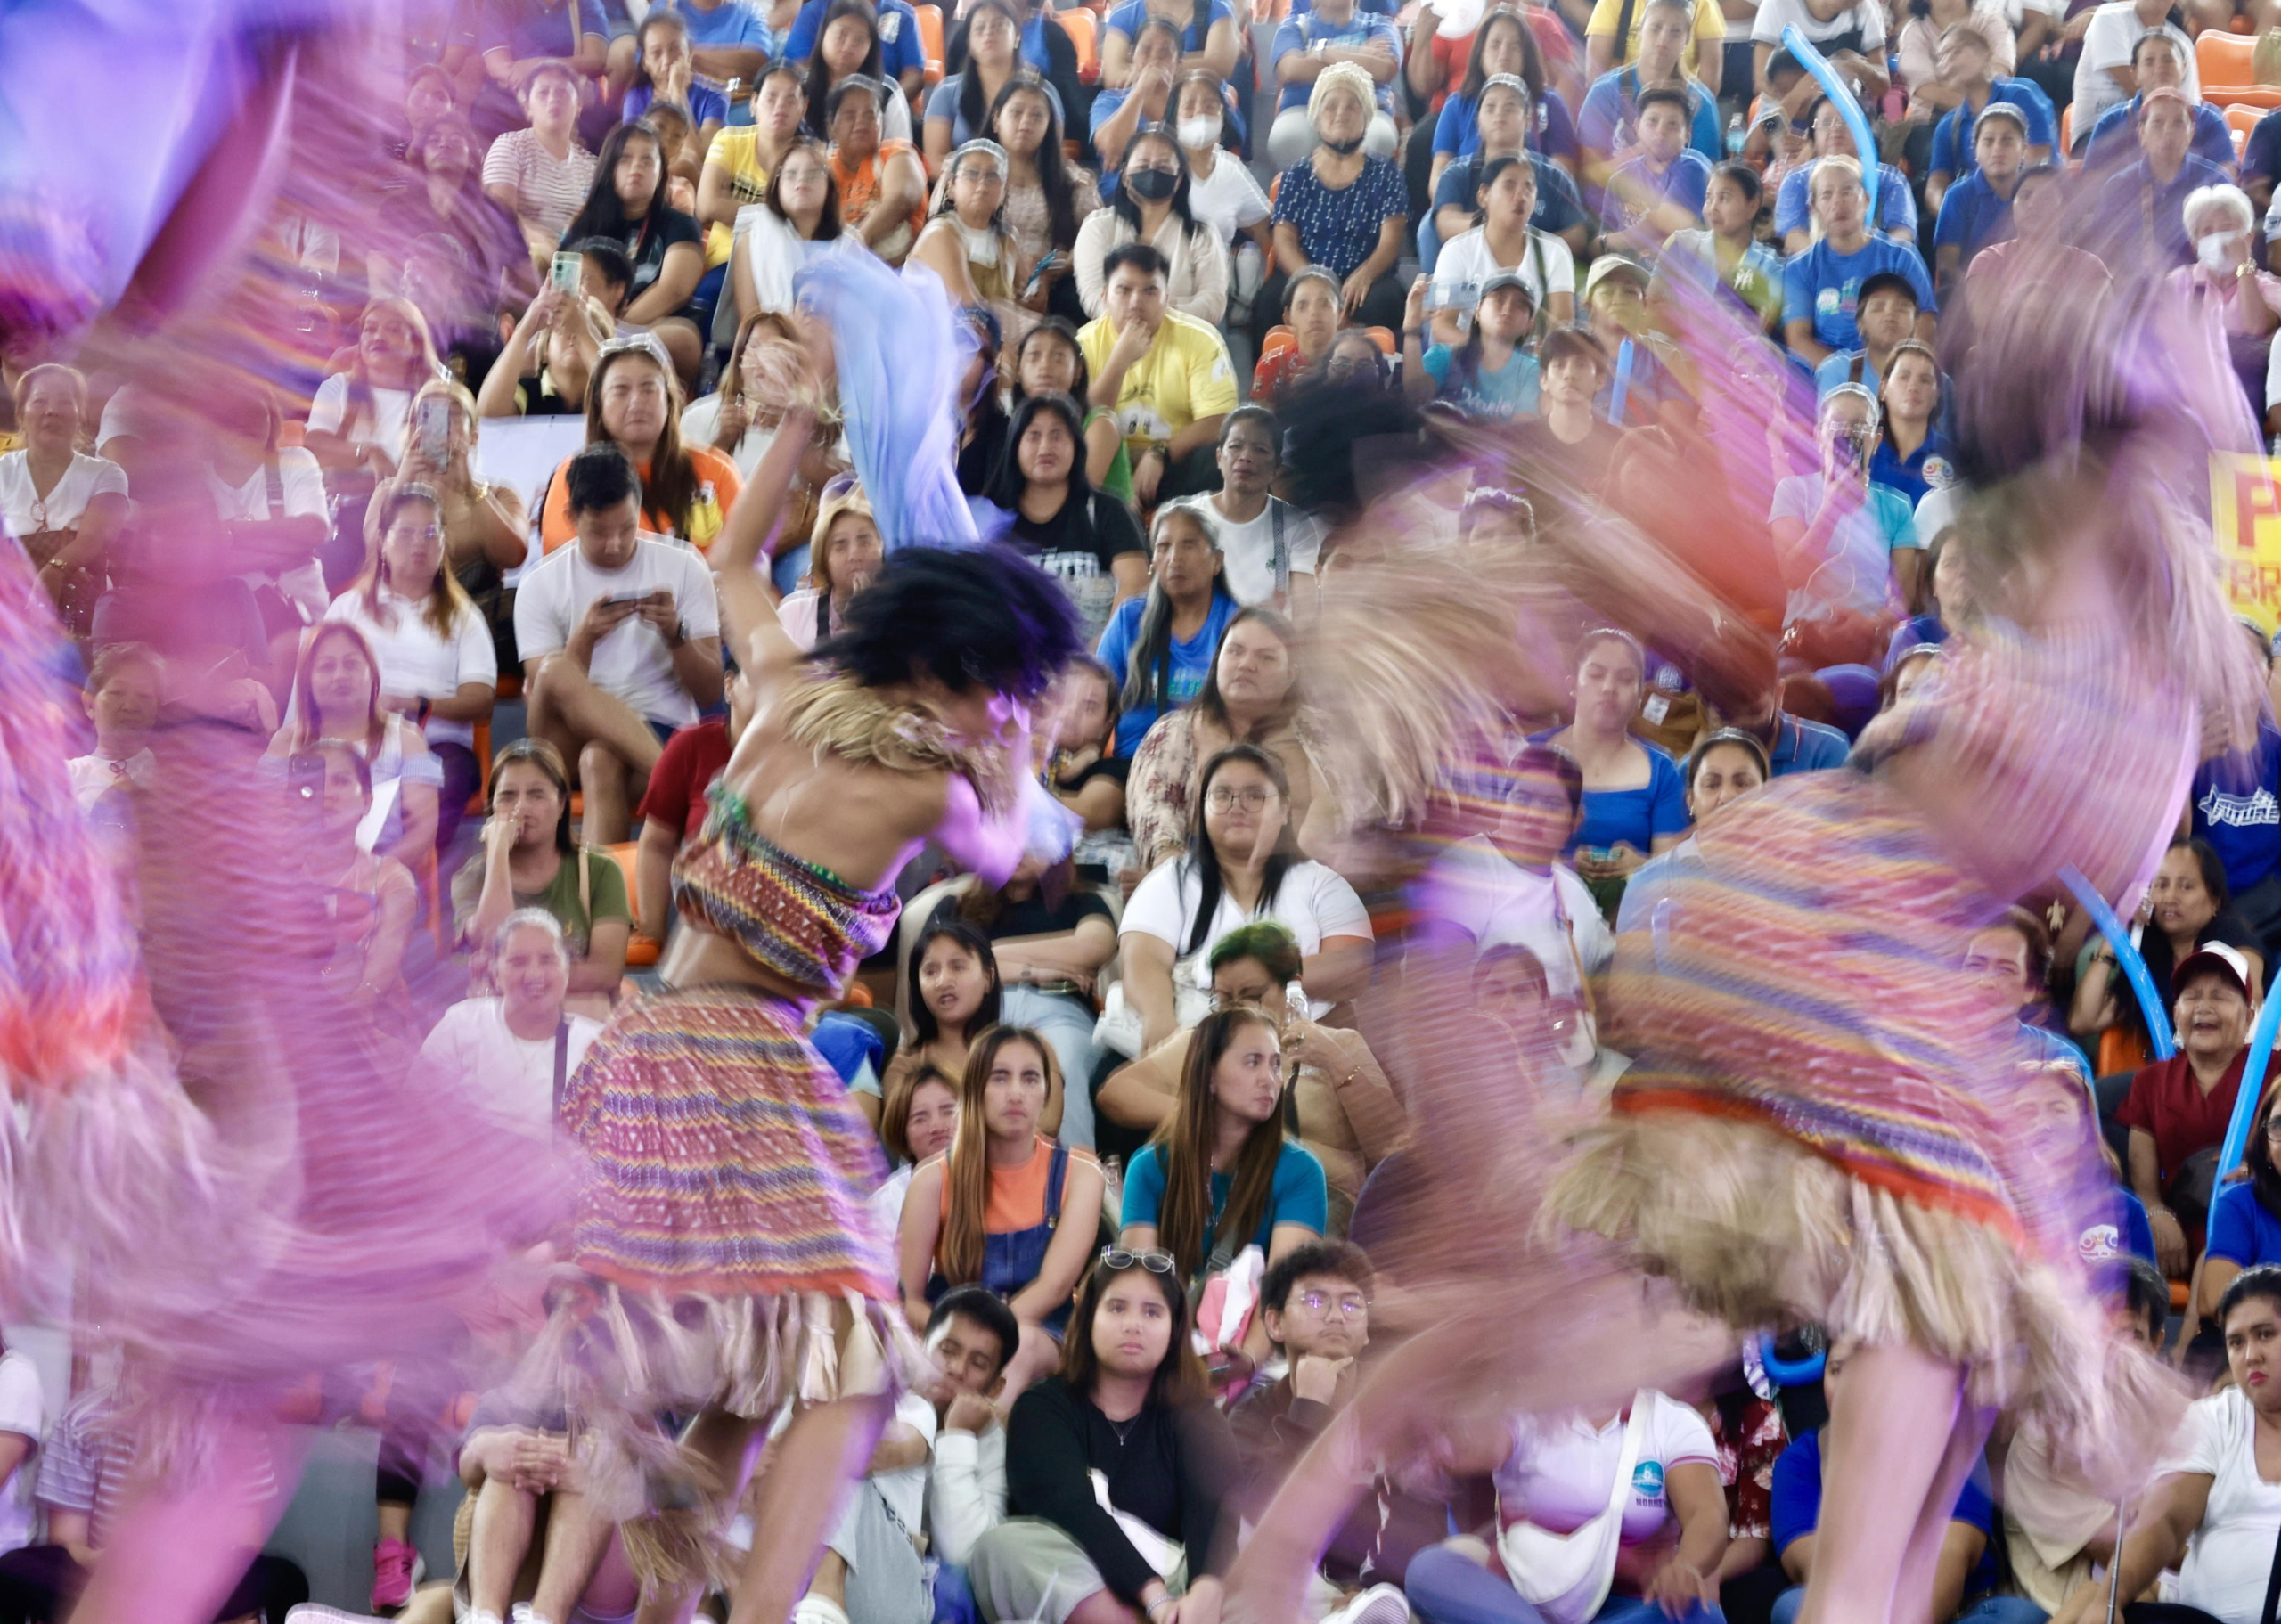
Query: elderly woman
[63,504]
[513,1052]
[2239,300]
[967,243]
[1341,208]
[882,188]
[1151,205]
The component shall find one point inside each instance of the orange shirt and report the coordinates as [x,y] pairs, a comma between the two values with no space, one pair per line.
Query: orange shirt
[717,485]
[1018,1194]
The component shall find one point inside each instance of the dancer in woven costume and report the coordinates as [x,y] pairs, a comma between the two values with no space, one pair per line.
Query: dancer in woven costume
[1817,1124]
[722,1229]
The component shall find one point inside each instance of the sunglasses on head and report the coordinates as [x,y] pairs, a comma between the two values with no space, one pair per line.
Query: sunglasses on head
[1154,1262]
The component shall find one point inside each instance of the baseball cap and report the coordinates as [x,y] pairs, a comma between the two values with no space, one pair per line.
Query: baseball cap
[1509,277]
[2208,956]
[1613,264]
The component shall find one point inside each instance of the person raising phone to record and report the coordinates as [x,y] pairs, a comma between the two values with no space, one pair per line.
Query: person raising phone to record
[1842,538]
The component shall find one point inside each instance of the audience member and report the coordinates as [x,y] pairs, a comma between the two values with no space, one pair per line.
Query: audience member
[1832,137]
[486,532]
[270,501]
[800,205]
[903,53]
[1608,124]
[1222,190]
[1504,45]
[543,369]
[1725,255]
[1313,306]
[619,635]
[666,71]
[1315,1303]
[970,1334]
[918,1118]
[1162,645]
[670,296]
[339,694]
[372,901]
[1047,196]
[882,185]
[540,175]
[1208,38]
[1604,50]
[1634,803]
[2105,73]
[633,404]
[356,423]
[1251,696]
[2012,958]
[533,1539]
[1645,392]
[989,1212]
[530,860]
[843,555]
[953,997]
[2188,907]
[2236,811]
[850,48]
[1885,318]
[1145,102]
[676,805]
[1242,864]
[62,506]
[2140,212]
[1850,35]
[979,408]
[2158,62]
[1917,51]
[1349,1118]
[1050,361]
[1822,285]
[2245,1217]
[763,380]
[1327,34]
[23,1422]
[1503,122]
[990,49]
[2238,302]
[1083,537]
[124,685]
[1151,205]
[741,159]
[1264,541]
[1563,457]
[967,244]
[1075,754]
[1671,1530]
[1841,536]
[1342,209]
[2209,1514]
[2177,1109]
[1128,1412]
[1725,764]
[1165,374]
[1977,210]
[513,1053]
[1504,242]
[1968,66]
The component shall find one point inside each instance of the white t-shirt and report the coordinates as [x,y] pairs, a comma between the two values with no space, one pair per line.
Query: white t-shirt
[301,482]
[87,478]
[2231,1555]
[2113,34]
[632,662]
[1776,15]
[95,776]
[1248,549]
[1229,199]
[23,1411]
[1496,901]
[548,192]
[1466,261]
[415,662]
[1312,900]
[512,1077]
[1562,1469]
[905,1491]
[328,412]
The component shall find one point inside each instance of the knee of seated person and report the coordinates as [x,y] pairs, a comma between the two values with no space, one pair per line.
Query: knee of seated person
[1471,1546]
[598,763]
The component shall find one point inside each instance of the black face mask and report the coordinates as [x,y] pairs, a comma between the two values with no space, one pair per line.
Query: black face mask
[1344,149]
[1151,186]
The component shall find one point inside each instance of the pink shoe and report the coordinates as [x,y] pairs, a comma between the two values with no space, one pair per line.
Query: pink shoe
[395,1569]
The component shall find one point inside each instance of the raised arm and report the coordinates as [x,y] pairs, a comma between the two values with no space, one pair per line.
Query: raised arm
[747,599]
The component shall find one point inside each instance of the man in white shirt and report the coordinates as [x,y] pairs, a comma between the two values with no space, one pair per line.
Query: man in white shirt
[620,638]
[23,1410]
[1264,541]
[514,1053]
[969,1337]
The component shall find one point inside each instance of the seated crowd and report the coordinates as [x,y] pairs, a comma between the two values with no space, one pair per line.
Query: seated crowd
[1127,1123]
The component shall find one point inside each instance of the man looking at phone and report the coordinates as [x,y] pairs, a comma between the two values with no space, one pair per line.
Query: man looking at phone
[1834,531]
[620,637]
[1165,375]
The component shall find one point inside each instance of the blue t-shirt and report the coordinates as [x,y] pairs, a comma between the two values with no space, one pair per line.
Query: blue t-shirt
[2261,158]
[1823,286]
[2240,1231]
[1796,1509]
[1127,19]
[901,50]
[1457,130]
[1604,122]
[1191,661]
[1930,466]
[2236,802]
[1684,181]
[2134,204]
[1839,368]
[1804,746]
[1794,201]
[531,27]
[2114,139]
[706,105]
[1973,215]
[1503,394]
[1861,546]
[1339,230]
[1952,137]
[1299,1195]
[1558,206]
[942,103]
[1635,816]
[1359,32]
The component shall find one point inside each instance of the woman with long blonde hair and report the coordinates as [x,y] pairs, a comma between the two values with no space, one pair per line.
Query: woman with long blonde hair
[990,1212]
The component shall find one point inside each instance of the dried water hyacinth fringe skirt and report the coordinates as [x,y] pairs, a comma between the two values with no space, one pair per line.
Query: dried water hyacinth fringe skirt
[1821,1125]
[727,1251]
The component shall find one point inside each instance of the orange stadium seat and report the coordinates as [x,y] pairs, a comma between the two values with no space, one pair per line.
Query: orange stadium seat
[930,37]
[640,952]
[1084,29]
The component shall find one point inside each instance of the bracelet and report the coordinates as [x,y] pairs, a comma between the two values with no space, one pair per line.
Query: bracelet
[1162,1601]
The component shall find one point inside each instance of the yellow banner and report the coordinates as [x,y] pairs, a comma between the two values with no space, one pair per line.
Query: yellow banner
[2245,512]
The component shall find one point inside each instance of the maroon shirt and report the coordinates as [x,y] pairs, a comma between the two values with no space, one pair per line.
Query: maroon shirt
[686,767]
[2166,1102]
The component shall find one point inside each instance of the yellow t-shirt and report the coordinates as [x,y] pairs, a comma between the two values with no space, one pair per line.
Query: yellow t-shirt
[1185,375]
[737,150]
[1710,31]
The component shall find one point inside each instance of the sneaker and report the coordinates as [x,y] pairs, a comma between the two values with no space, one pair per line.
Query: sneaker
[1379,1604]
[396,1568]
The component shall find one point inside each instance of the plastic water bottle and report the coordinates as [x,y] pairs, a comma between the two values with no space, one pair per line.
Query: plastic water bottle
[1735,136]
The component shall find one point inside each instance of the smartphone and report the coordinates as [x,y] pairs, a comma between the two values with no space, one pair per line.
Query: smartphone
[434,430]
[304,779]
[1452,296]
[1046,262]
[564,273]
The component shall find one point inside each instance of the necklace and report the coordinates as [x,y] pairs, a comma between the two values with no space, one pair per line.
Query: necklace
[1124,1429]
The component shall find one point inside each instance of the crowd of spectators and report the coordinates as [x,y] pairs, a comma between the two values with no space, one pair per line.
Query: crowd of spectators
[1197,255]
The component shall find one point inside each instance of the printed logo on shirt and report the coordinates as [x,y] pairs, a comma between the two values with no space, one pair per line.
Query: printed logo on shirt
[1647,1481]
[1939,473]
[1828,301]
[2239,811]
[2099,1244]
[890,27]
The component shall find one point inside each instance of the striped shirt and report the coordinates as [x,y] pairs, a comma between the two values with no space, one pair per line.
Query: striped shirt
[548,194]
[89,1462]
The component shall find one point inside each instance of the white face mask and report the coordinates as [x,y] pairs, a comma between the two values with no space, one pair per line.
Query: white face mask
[1198,133]
[2217,253]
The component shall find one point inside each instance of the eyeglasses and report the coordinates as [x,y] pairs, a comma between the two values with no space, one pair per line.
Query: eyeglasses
[1349,1308]
[2273,1128]
[1154,1262]
[1250,800]
[1219,1000]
